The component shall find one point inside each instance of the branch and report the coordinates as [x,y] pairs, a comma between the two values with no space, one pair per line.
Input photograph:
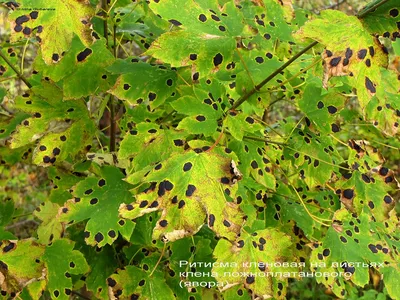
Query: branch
[270,77]
[263,140]
[19,74]
[367,9]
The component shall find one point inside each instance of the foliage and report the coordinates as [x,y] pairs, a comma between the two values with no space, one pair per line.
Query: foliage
[202,198]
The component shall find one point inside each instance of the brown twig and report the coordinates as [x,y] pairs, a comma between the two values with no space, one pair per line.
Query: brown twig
[270,77]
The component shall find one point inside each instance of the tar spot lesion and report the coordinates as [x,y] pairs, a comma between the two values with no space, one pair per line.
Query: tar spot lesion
[84,54]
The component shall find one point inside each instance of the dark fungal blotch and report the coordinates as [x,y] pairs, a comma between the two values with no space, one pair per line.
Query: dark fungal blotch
[370,85]
[187,166]
[349,53]
[211,220]
[175,22]
[163,223]
[394,12]
[84,54]
[202,18]
[335,61]
[335,128]
[98,237]
[201,118]
[181,204]
[34,14]
[332,109]
[190,190]
[362,53]
[226,223]
[217,60]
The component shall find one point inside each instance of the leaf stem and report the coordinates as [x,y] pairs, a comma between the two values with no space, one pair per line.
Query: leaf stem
[271,76]
[19,74]
[105,20]
[159,260]
[263,140]
[366,10]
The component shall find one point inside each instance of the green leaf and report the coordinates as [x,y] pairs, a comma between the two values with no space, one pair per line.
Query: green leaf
[6,210]
[202,109]
[187,189]
[142,83]
[268,245]
[62,261]
[351,50]
[20,262]
[134,282]
[82,69]
[102,263]
[54,23]
[207,39]
[50,229]
[5,69]
[239,123]
[322,109]
[352,239]
[313,156]
[382,20]
[147,144]
[63,128]
[97,200]
[254,161]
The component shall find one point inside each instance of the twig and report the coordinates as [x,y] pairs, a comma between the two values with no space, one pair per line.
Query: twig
[366,10]
[263,140]
[270,77]
[19,74]
[21,223]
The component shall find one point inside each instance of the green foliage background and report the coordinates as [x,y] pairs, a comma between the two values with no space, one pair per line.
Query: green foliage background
[199,149]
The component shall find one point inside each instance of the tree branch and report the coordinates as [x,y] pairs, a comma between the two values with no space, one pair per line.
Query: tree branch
[270,77]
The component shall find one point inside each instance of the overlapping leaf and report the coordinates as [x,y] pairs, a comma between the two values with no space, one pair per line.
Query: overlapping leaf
[353,240]
[97,200]
[313,156]
[143,83]
[147,144]
[62,261]
[50,229]
[82,69]
[248,254]
[20,262]
[63,128]
[351,50]
[134,282]
[207,38]
[187,189]
[54,23]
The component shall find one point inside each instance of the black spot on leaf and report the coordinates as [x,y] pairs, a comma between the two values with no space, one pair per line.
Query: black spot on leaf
[369,85]
[200,118]
[332,109]
[181,204]
[175,22]
[187,166]
[394,12]
[217,59]
[211,220]
[84,54]
[335,61]
[190,190]
[98,237]
[202,18]
[362,53]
